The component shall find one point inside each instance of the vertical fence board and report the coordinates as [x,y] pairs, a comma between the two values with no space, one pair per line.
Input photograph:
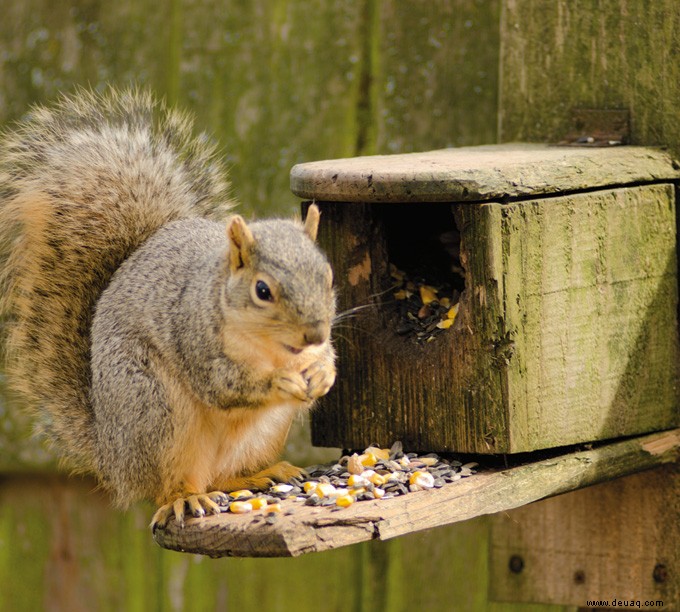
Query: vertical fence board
[436,74]
[616,540]
[567,54]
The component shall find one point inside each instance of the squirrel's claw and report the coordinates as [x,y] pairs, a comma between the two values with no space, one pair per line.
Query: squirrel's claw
[162,515]
[198,505]
[320,377]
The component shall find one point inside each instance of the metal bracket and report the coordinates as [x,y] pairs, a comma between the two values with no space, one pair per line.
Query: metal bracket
[598,128]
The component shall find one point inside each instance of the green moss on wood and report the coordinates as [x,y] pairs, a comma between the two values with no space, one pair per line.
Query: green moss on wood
[567,54]
[590,305]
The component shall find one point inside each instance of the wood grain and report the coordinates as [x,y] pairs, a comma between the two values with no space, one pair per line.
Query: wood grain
[590,308]
[567,329]
[565,54]
[471,174]
[617,540]
[313,529]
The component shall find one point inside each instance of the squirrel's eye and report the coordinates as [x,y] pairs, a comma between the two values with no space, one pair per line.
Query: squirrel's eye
[263,292]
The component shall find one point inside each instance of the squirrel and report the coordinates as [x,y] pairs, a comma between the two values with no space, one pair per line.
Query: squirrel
[164,344]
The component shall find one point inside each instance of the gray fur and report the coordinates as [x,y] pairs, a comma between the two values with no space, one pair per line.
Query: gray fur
[109,204]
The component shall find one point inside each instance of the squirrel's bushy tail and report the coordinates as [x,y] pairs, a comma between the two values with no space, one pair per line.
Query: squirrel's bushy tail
[82,184]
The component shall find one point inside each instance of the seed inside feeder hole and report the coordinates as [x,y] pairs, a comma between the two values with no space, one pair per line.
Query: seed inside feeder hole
[426,277]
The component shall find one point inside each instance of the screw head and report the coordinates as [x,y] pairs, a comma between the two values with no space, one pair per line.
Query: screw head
[516,564]
[660,573]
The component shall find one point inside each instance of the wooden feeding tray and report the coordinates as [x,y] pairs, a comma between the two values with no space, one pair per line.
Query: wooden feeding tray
[563,263]
[301,529]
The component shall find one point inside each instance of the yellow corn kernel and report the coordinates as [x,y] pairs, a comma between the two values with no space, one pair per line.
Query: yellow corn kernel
[309,485]
[281,488]
[357,480]
[453,311]
[273,508]
[422,479]
[368,459]
[357,491]
[402,294]
[381,453]
[445,323]
[344,501]
[240,507]
[240,494]
[258,503]
[325,489]
[378,493]
[445,302]
[377,479]
[428,294]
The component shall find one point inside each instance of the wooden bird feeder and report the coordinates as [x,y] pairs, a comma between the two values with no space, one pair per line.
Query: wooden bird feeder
[300,529]
[565,260]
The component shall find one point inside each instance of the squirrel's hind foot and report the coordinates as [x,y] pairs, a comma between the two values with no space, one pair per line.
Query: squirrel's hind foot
[198,505]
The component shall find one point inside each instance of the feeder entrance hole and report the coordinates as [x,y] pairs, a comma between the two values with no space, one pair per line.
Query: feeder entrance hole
[426,278]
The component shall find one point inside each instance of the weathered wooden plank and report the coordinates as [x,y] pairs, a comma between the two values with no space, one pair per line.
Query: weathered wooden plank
[277,82]
[590,309]
[567,54]
[443,91]
[479,173]
[64,548]
[617,540]
[443,395]
[312,529]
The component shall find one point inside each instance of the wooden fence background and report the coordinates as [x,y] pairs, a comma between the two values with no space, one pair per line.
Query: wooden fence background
[280,82]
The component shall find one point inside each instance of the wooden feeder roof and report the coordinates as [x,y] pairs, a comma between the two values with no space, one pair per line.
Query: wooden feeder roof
[312,529]
[481,173]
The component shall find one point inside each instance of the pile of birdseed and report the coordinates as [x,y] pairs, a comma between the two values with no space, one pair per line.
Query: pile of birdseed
[376,473]
[424,310]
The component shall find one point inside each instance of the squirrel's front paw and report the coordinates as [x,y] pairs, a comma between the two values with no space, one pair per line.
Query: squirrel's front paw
[198,505]
[320,377]
[291,383]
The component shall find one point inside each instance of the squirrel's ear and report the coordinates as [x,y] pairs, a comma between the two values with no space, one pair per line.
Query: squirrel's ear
[240,241]
[312,221]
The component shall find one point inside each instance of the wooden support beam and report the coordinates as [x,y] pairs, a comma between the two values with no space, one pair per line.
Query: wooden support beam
[302,529]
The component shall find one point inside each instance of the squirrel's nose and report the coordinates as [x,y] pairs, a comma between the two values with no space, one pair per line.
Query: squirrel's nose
[317,333]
